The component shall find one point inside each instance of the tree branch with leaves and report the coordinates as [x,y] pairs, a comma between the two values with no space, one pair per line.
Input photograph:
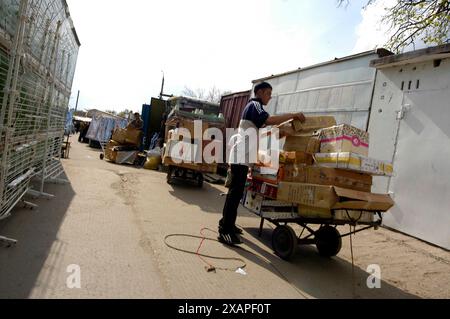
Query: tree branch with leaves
[409,20]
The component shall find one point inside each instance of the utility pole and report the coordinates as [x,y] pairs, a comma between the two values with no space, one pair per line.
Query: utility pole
[161,95]
[162,87]
[76,104]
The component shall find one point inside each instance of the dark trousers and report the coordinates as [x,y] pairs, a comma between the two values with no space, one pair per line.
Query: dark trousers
[235,192]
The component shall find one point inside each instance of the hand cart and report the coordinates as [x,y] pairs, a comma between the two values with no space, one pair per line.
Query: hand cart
[103,145]
[190,172]
[327,238]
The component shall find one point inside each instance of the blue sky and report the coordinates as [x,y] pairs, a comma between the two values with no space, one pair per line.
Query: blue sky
[202,43]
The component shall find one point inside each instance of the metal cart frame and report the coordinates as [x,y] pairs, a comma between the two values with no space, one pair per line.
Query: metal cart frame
[327,238]
[188,172]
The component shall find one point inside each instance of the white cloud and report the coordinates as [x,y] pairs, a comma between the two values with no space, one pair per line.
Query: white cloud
[371,32]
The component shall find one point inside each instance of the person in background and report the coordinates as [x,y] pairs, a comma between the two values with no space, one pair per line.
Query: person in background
[137,122]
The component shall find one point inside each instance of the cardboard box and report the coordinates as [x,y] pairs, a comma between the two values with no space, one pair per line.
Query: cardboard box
[112,143]
[268,178]
[312,123]
[308,143]
[187,124]
[296,158]
[204,168]
[326,176]
[338,215]
[253,202]
[119,136]
[344,138]
[133,136]
[354,162]
[354,216]
[182,151]
[314,212]
[111,154]
[263,188]
[128,136]
[126,157]
[332,197]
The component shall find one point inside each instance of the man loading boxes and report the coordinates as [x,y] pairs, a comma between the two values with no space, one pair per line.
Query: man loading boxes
[254,116]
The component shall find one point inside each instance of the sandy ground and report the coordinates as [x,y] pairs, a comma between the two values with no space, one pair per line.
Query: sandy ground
[111,221]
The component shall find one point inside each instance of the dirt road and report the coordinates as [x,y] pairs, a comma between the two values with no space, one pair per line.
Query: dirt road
[111,221]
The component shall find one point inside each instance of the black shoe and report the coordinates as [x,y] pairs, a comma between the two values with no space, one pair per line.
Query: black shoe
[237,230]
[230,239]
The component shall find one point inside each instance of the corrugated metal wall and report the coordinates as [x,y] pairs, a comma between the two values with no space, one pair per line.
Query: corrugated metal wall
[231,106]
[342,88]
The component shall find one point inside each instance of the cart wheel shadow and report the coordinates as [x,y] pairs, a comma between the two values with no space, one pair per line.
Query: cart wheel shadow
[315,275]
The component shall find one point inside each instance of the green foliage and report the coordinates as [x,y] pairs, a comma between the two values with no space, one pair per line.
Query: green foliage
[409,20]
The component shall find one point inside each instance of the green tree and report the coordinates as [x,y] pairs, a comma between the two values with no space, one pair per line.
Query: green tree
[409,20]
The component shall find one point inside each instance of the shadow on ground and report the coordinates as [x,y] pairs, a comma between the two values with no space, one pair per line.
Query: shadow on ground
[314,275]
[208,198]
[36,231]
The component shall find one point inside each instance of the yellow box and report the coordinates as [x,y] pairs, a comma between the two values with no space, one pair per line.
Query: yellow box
[354,162]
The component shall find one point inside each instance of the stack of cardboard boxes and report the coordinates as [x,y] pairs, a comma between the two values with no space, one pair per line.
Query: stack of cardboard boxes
[124,145]
[184,150]
[325,170]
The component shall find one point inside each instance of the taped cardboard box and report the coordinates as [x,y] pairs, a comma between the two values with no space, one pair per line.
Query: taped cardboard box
[332,197]
[326,176]
[354,162]
[344,138]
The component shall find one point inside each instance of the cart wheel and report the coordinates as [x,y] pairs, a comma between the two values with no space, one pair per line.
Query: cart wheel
[169,175]
[284,242]
[328,241]
[199,180]
[102,156]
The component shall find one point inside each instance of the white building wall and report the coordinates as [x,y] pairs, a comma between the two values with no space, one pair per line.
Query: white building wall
[411,128]
[343,89]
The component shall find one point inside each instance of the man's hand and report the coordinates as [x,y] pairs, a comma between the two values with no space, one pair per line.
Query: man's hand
[299,116]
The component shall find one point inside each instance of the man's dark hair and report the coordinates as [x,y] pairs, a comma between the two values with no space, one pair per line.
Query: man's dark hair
[262,86]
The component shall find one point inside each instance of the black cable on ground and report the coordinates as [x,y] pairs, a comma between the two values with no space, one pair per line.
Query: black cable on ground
[212,268]
[204,255]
